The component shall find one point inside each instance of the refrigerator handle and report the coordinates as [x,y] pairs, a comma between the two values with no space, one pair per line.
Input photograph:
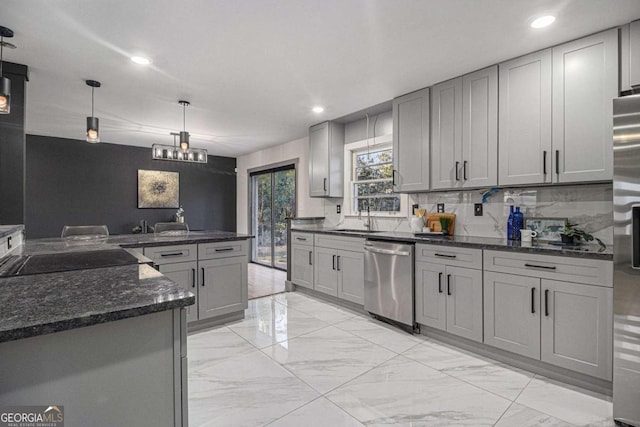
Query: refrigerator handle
[635,238]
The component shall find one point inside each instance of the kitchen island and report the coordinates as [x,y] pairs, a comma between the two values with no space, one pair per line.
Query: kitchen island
[108,344]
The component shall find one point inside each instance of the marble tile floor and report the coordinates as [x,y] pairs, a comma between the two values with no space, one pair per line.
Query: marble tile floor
[298,361]
[264,281]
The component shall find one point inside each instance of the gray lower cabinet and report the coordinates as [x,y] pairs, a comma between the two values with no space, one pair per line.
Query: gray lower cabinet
[449,298]
[338,272]
[302,265]
[325,274]
[351,276]
[512,313]
[222,286]
[577,327]
[184,273]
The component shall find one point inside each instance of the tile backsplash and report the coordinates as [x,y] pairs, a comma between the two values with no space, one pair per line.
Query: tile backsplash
[588,205]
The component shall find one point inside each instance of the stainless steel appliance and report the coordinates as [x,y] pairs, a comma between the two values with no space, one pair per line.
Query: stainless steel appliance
[388,281]
[626,277]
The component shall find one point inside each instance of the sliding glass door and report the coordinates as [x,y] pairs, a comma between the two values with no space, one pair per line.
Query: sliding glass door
[273,200]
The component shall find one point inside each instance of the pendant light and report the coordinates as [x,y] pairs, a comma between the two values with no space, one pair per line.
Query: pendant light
[93,132]
[176,154]
[184,135]
[5,83]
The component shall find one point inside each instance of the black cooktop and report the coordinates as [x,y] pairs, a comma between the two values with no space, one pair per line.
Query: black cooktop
[68,261]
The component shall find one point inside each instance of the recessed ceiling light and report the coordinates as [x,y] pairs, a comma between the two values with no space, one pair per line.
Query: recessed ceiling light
[543,21]
[141,60]
[317,109]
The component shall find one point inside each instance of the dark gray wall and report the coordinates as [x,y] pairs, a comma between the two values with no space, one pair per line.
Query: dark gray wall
[73,182]
[12,156]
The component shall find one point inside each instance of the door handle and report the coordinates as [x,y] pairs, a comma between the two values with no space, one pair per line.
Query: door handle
[546,302]
[557,162]
[193,277]
[338,263]
[464,170]
[448,284]
[457,166]
[533,304]
[202,270]
[324,184]
[310,261]
[544,162]
[440,282]
[333,262]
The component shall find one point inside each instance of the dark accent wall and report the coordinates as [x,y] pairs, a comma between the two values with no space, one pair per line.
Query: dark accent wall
[73,182]
[12,147]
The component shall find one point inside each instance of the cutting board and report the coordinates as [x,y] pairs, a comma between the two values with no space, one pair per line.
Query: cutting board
[433,222]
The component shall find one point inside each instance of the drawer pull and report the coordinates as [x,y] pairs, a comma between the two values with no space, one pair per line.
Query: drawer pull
[440,282]
[445,256]
[223,249]
[546,267]
[173,254]
[304,239]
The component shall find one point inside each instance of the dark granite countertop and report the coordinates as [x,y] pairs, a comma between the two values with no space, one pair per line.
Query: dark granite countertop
[56,244]
[592,251]
[47,303]
[5,230]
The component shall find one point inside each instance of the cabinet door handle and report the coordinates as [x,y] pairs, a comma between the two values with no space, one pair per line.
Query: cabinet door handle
[173,254]
[202,271]
[9,244]
[448,284]
[464,170]
[393,177]
[546,267]
[338,263]
[444,255]
[324,184]
[557,162]
[333,262]
[440,282]
[310,260]
[544,162]
[546,302]
[193,277]
[533,304]
[457,175]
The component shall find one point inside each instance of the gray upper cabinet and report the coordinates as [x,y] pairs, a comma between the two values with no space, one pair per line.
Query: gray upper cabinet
[411,142]
[585,80]
[446,134]
[326,145]
[464,130]
[577,327]
[480,128]
[630,56]
[525,120]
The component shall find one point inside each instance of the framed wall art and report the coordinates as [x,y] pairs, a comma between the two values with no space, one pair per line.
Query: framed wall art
[158,189]
[548,229]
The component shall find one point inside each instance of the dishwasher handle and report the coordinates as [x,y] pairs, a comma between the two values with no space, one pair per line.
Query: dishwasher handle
[386,251]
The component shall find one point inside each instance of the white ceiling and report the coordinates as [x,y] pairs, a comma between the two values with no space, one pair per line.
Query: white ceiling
[253,69]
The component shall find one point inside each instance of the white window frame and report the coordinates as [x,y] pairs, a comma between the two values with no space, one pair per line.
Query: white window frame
[374,144]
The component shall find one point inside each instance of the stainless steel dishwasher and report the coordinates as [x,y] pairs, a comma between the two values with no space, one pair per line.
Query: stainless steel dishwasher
[388,281]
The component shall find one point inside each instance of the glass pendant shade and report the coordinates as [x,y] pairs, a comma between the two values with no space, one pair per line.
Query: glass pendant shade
[93,133]
[5,95]
[184,140]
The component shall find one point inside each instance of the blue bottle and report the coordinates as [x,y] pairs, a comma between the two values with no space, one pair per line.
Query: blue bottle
[518,223]
[510,223]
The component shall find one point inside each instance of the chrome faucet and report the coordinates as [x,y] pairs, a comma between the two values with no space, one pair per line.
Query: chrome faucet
[367,222]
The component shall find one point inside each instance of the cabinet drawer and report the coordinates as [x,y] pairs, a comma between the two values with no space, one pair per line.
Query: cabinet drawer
[454,256]
[579,270]
[355,244]
[170,254]
[302,238]
[223,249]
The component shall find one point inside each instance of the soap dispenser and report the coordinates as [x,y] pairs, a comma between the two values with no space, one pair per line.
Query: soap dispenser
[510,224]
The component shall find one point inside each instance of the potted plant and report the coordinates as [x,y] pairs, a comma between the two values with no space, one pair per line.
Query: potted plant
[573,234]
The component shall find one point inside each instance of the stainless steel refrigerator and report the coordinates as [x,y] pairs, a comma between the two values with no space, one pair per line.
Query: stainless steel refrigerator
[626,278]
